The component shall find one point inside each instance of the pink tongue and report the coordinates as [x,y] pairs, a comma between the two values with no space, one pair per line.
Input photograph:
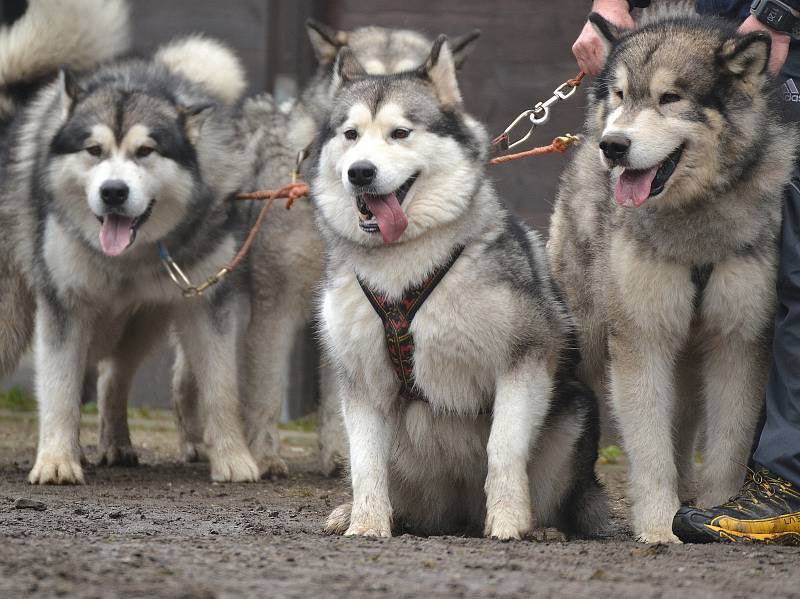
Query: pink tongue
[116,234]
[633,187]
[391,219]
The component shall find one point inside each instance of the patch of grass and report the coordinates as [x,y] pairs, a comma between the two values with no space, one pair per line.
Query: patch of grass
[611,454]
[17,399]
[305,425]
[143,413]
[140,413]
[89,408]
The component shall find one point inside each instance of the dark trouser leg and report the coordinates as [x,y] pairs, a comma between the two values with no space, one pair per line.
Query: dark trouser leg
[778,447]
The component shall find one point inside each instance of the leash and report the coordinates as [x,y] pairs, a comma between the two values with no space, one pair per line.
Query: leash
[291,192]
[538,115]
[558,145]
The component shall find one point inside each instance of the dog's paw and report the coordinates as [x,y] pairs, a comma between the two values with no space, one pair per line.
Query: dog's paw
[194,452]
[657,535]
[339,520]
[369,525]
[124,456]
[272,466]
[234,467]
[548,535]
[507,524]
[56,470]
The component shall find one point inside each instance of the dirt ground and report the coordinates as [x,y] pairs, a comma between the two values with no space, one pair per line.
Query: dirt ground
[163,530]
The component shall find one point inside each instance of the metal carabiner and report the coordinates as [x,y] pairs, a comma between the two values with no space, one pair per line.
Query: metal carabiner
[506,134]
[563,95]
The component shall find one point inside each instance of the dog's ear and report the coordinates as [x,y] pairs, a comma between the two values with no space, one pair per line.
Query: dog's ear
[463,45]
[70,89]
[608,32]
[325,41]
[440,68]
[194,117]
[746,56]
[347,68]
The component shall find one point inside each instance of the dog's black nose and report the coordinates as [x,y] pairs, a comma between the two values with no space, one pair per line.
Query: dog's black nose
[362,173]
[615,147]
[114,192]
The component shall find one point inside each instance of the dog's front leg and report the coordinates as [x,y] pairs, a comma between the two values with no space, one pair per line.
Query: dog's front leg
[61,345]
[520,406]
[653,309]
[370,431]
[207,334]
[737,311]
[643,397]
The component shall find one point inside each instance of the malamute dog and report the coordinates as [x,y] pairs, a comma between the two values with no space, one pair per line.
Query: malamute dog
[106,172]
[468,419]
[286,261]
[78,34]
[664,238]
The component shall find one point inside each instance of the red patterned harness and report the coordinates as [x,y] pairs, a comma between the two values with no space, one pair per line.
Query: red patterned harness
[397,317]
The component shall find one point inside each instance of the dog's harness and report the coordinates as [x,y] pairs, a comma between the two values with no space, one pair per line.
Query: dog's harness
[396,318]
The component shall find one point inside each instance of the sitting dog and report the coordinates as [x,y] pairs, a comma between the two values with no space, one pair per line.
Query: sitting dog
[450,342]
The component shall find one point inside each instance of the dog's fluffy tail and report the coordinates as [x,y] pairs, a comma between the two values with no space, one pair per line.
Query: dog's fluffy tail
[78,34]
[208,63]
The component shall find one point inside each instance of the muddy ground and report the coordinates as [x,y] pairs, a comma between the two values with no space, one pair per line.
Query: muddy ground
[163,530]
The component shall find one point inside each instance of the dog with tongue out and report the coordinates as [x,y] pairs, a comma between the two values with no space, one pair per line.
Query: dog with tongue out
[107,168]
[447,334]
[664,239]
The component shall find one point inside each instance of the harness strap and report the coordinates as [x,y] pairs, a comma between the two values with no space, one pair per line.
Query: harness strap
[397,317]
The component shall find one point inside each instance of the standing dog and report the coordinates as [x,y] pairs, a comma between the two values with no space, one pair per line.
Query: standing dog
[469,417]
[105,173]
[664,238]
[78,34]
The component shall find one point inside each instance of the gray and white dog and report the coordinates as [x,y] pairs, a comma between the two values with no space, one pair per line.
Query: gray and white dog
[483,427]
[105,172]
[664,238]
[286,262]
[78,34]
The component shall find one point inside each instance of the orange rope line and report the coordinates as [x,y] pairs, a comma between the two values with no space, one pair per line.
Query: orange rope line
[291,192]
[559,145]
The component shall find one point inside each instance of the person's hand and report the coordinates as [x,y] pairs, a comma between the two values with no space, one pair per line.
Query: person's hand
[589,49]
[780,42]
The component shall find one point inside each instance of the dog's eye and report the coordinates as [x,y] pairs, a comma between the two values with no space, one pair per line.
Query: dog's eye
[401,133]
[669,99]
[351,134]
[94,150]
[144,151]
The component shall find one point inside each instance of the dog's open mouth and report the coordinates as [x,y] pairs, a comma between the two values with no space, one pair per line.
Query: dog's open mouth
[118,232]
[634,187]
[384,213]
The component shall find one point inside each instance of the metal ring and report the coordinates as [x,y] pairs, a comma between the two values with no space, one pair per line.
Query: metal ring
[535,121]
